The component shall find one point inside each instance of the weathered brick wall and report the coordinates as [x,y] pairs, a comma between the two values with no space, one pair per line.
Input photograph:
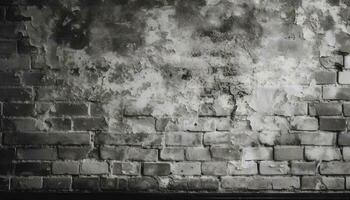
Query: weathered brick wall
[175,95]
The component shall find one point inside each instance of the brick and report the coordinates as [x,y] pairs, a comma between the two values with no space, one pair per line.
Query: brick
[274,167]
[335,168]
[131,108]
[18,109]
[65,167]
[36,153]
[86,183]
[93,167]
[347,61]
[303,168]
[346,153]
[322,183]
[59,124]
[325,109]
[260,183]
[70,109]
[198,154]
[4,184]
[57,183]
[113,153]
[344,139]
[257,153]
[96,109]
[194,184]
[286,139]
[81,124]
[7,48]
[6,155]
[186,168]
[126,168]
[322,153]
[167,124]
[292,109]
[347,182]
[310,93]
[143,183]
[178,184]
[34,78]
[203,183]
[142,139]
[42,108]
[239,183]
[156,169]
[304,123]
[214,168]
[332,124]
[212,109]
[325,77]
[183,139]
[53,94]
[8,30]
[225,153]
[73,153]
[13,12]
[33,169]
[211,138]
[346,108]
[265,123]
[200,124]
[318,138]
[140,125]
[172,153]
[204,124]
[15,62]
[336,93]
[285,183]
[344,77]
[139,154]
[9,79]
[113,183]
[288,153]
[43,138]
[15,94]
[20,125]
[223,124]
[2,14]
[26,183]
[331,62]
[242,168]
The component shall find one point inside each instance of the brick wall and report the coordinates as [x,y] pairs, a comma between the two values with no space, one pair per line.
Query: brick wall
[174,96]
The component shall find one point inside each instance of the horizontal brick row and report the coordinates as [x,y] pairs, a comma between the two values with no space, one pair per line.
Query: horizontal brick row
[204,183]
[186,168]
[192,184]
[216,153]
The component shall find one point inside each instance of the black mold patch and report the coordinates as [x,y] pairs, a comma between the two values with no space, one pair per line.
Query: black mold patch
[290,7]
[344,13]
[244,26]
[333,2]
[72,28]
[327,23]
[187,12]
[74,21]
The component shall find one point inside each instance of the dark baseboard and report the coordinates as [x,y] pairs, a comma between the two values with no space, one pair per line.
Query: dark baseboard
[170,196]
